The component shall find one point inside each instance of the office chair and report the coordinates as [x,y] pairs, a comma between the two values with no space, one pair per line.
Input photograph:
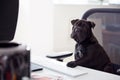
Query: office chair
[107,31]
[60,56]
[107,22]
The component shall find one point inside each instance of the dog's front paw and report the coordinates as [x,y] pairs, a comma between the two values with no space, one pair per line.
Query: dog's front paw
[72,64]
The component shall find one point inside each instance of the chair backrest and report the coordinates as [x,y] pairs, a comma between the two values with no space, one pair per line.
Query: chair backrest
[107,30]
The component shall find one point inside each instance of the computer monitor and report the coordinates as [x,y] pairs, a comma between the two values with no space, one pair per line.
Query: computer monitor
[8,19]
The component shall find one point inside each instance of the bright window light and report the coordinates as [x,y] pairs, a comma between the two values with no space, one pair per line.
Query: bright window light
[114,1]
[85,1]
[70,1]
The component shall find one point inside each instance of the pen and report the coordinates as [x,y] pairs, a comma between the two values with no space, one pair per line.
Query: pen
[39,69]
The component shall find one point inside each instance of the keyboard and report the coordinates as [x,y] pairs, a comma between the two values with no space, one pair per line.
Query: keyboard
[63,69]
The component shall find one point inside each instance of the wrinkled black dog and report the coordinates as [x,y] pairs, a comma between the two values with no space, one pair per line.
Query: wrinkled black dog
[88,52]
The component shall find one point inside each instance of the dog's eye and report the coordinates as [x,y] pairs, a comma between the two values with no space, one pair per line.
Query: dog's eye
[76,30]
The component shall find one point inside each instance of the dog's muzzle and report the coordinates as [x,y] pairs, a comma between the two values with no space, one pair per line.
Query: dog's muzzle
[74,36]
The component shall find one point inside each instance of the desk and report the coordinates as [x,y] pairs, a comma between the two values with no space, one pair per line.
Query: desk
[92,74]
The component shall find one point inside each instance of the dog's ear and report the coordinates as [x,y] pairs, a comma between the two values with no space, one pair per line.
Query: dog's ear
[74,21]
[91,24]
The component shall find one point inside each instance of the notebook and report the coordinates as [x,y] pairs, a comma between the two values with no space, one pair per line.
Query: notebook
[35,67]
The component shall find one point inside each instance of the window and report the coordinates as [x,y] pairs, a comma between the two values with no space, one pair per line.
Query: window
[86,1]
[114,1]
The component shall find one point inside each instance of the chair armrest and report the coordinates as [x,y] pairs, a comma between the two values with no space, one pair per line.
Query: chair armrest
[60,55]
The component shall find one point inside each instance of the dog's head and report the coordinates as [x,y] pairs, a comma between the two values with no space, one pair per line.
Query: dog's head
[81,30]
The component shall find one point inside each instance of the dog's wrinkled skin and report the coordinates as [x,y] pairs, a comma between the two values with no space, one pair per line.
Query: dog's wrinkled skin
[88,52]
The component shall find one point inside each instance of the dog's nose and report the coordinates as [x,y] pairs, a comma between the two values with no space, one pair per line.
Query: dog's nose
[72,35]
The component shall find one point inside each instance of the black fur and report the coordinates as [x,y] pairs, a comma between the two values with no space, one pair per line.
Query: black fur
[88,52]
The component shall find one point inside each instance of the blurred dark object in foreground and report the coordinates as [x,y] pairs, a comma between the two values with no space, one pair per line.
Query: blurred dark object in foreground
[14,61]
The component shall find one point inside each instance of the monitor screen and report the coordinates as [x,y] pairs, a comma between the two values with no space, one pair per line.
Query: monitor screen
[8,19]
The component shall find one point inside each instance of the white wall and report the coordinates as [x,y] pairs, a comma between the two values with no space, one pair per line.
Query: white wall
[63,14]
[35,25]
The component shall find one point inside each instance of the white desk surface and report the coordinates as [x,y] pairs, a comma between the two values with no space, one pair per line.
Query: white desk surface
[91,75]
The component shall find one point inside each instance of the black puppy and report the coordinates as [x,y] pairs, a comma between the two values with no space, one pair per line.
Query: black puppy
[88,52]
